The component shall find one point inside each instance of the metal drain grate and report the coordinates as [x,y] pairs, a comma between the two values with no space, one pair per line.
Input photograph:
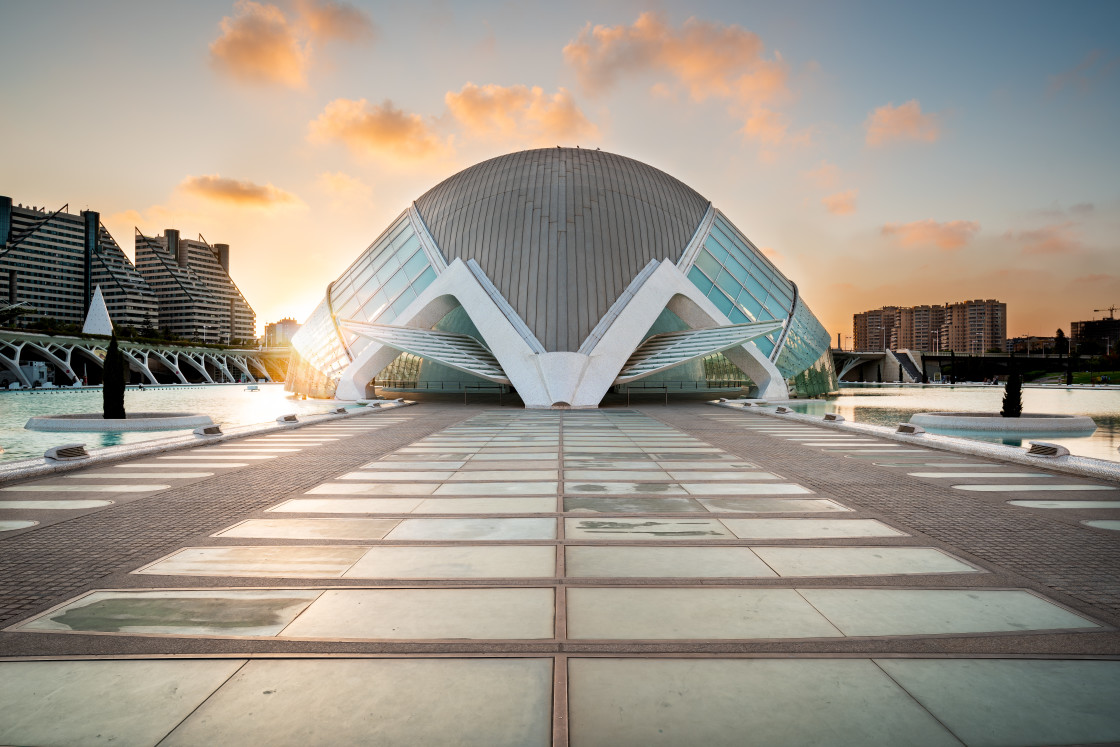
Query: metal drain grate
[208,430]
[67,453]
[1043,449]
[287,419]
[833,417]
[910,429]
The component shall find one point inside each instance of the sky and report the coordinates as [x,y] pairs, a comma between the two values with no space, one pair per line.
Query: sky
[881,153]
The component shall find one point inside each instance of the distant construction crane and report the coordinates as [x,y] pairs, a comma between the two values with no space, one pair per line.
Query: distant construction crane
[1110,309]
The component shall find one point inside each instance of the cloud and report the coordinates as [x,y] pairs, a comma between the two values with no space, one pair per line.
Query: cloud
[1085,74]
[948,236]
[329,19]
[376,129]
[237,192]
[1056,239]
[258,45]
[841,203]
[771,128]
[825,176]
[1095,277]
[345,191]
[772,254]
[907,122]
[519,112]
[710,60]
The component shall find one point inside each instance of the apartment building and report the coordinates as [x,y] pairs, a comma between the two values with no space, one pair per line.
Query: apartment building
[966,327]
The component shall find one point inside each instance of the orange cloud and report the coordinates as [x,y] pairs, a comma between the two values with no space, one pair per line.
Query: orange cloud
[1056,239]
[948,236]
[907,122]
[825,176]
[841,203]
[711,60]
[376,129]
[344,187]
[771,128]
[329,19]
[237,192]
[771,254]
[519,112]
[258,45]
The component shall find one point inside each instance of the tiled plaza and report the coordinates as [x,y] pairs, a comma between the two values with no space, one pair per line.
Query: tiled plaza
[470,575]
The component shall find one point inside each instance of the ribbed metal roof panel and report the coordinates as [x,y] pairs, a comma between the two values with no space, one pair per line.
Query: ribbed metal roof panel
[561,232]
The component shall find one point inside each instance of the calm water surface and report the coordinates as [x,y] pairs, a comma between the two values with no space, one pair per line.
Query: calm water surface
[892,405]
[228,404]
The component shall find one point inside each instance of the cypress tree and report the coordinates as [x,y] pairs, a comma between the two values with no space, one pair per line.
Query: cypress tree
[879,374]
[112,390]
[1013,392]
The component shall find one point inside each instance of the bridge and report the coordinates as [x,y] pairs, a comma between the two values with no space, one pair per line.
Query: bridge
[69,361]
[910,366]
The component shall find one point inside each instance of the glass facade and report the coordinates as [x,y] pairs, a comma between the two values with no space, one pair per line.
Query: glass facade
[741,283]
[376,288]
[805,359]
[727,268]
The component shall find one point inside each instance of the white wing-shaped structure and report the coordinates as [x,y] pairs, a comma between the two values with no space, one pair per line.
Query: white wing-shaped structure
[562,272]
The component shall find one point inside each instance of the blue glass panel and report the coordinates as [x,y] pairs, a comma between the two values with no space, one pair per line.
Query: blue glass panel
[416,265]
[374,307]
[407,247]
[396,284]
[387,270]
[756,288]
[749,303]
[765,345]
[728,285]
[736,269]
[399,305]
[424,280]
[708,264]
[738,317]
[700,280]
[722,302]
[776,309]
[713,246]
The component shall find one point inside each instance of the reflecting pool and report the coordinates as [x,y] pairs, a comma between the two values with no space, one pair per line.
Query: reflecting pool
[228,404]
[890,405]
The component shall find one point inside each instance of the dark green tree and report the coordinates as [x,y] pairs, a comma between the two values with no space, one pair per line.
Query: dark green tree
[1012,392]
[952,366]
[1061,344]
[112,391]
[1071,361]
[879,373]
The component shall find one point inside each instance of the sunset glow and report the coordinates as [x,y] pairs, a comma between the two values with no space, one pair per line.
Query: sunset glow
[882,154]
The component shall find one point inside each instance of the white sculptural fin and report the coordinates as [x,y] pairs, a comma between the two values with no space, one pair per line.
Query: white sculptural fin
[97,319]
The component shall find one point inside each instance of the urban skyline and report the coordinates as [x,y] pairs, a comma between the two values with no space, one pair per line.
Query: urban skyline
[959,153]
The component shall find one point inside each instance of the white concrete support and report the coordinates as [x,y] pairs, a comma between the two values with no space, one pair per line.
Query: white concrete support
[544,379]
[220,364]
[455,286]
[197,364]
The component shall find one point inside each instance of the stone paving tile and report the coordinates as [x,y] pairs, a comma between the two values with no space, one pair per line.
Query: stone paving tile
[938,539]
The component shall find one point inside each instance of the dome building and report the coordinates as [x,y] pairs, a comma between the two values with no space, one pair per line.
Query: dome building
[561,272]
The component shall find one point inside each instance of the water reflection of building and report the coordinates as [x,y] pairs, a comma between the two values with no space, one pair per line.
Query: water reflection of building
[562,272]
[966,327]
